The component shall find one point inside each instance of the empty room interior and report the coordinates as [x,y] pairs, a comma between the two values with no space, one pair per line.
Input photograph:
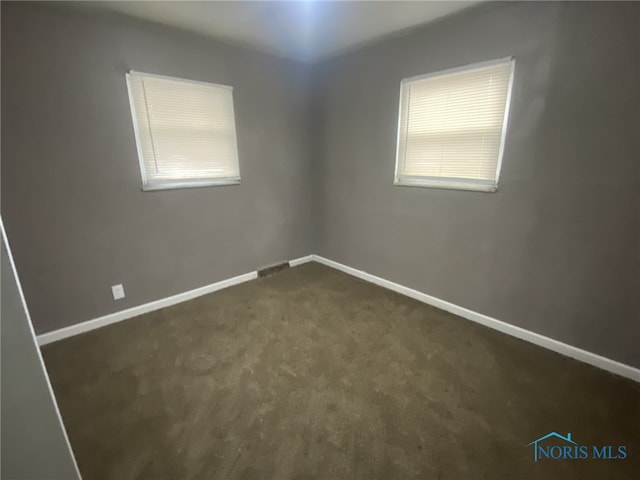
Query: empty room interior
[320,240]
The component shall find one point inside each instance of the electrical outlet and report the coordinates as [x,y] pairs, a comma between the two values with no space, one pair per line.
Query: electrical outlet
[118,292]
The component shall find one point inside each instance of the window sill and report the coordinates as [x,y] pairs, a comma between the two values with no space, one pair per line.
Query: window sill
[444,184]
[177,184]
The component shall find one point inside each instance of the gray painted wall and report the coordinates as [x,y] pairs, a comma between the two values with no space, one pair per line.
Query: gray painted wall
[557,249]
[33,442]
[71,188]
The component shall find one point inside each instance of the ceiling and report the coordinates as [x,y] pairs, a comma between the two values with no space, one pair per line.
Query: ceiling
[305,30]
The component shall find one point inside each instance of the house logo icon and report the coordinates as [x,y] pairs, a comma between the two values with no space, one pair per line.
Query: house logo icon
[536,449]
[570,450]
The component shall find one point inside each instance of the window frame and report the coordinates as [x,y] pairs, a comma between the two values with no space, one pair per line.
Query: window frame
[455,183]
[148,185]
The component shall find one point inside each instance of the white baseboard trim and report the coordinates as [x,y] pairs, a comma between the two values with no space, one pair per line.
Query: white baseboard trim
[55,335]
[518,332]
[299,261]
[78,328]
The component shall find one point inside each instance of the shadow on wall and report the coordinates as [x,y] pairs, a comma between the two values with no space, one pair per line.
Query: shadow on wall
[555,250]
[586,179]
[34,442]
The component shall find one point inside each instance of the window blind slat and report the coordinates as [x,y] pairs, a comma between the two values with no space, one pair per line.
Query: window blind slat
[185,130]
[451,125]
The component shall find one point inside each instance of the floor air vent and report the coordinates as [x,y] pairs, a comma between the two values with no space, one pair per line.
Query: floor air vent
[266,271]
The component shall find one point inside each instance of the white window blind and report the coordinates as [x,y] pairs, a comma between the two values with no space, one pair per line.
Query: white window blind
[185,132]
[452,126]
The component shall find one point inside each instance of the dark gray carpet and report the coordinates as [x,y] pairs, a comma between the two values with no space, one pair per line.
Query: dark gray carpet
[313,374]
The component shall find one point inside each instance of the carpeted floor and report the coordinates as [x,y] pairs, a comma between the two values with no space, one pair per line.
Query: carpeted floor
[313,374]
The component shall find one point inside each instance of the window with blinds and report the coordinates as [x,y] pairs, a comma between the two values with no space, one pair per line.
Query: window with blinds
[185,132]
[452,127]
